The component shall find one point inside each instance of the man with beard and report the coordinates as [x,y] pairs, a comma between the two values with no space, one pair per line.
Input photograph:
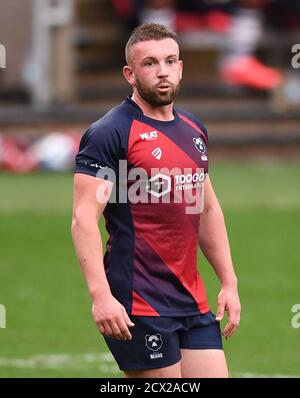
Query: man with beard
[148,299]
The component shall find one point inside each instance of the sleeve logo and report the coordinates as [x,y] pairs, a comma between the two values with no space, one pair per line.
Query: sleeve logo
[199,144]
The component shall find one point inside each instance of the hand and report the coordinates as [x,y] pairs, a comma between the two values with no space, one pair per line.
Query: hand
[228,300]
[111,318]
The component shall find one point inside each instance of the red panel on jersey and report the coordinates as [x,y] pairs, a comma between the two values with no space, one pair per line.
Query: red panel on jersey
[140,150]
[141,307]
[166,227]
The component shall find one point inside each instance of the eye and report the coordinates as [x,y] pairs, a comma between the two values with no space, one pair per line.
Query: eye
[171,61]
[149,63]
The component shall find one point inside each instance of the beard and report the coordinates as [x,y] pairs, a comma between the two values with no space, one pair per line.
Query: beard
[154,97]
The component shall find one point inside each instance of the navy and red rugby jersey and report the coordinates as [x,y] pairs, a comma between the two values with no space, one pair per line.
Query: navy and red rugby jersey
[151,253]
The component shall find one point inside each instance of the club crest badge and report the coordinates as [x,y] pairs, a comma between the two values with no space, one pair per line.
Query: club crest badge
[199,144]
[153,342]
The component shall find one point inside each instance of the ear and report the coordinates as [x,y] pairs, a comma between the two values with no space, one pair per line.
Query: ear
[128,74]
[181,66]
[147,336]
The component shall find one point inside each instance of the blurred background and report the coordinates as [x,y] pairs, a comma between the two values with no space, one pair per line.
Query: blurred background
[60,70]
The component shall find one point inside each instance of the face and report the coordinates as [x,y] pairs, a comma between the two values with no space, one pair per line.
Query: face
[155,70]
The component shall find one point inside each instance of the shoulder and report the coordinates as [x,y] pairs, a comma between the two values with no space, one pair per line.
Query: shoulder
[111,131]
[117,121]
[189,117]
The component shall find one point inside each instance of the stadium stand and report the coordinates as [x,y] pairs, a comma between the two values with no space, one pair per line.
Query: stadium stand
[86,80]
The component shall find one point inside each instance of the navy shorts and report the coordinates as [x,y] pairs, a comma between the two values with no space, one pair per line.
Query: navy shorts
[156,341]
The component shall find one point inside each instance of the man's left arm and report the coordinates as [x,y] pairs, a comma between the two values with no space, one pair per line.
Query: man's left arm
[213,241]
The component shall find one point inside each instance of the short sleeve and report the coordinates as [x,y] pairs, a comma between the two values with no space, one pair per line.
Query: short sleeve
[99,152]
[203,129]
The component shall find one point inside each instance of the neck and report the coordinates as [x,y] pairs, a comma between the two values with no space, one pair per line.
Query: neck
[163,113]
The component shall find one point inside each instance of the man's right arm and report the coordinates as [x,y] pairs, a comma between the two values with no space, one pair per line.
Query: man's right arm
[109,315]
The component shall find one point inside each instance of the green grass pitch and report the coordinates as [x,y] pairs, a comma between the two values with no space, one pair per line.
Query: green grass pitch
[49,328]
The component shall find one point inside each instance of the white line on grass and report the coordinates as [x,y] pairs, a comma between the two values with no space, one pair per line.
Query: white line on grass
[104,362]
[249,375]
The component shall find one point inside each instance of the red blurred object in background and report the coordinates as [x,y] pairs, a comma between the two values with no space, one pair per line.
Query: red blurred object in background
[250,72]
[54,152]
[15,155]
[216,20]
[123,8]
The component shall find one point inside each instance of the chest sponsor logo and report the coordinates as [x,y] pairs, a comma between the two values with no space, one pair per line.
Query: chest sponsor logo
[152,135]
[199,144]
[159,185]
[157,152]
[189,181]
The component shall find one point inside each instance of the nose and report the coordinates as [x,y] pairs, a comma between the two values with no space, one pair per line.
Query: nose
[162,70]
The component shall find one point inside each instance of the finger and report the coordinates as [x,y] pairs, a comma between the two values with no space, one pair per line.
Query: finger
[226,329]
[126,335]
[235,322]
[101,328]
[229,325]
[230,332]
[107,329]
[229,328]
[127,319]
[220,311]
[116,332]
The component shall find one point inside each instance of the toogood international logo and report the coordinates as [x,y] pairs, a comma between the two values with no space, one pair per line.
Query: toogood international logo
[153,341]
[2,56]
[189,181]
[159,185]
